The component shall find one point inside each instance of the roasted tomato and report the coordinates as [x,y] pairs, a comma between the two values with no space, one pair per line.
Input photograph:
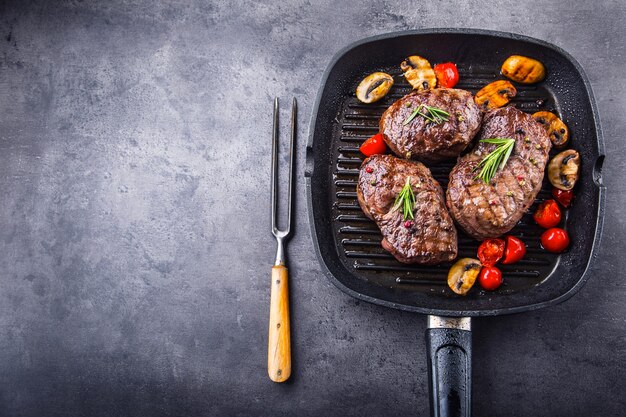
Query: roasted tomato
[555,240]
[515,250]
[447,74]
[548,214]
[563,197]
[374,145]
[491,251]
[490,278]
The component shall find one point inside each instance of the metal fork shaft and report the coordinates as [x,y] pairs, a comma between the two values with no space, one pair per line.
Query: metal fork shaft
[280,252]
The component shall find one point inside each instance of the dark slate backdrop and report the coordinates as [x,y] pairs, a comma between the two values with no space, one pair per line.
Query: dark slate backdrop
[134,235]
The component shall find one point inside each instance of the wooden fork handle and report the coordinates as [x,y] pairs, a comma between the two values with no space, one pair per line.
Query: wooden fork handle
[279,345]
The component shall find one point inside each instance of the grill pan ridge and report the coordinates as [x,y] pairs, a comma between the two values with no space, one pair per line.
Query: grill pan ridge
[348,243]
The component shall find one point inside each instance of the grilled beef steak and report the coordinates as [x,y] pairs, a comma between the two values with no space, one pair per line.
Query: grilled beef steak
[428,239]
[490,210]
[427,141]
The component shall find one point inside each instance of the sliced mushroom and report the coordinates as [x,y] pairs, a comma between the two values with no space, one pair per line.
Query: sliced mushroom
[419,73]
[374,87]
[462,275]
[563,169]
[495,94]
[557,130]
[523,69]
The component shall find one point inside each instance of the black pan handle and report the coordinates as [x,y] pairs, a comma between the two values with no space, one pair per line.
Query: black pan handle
[449,341]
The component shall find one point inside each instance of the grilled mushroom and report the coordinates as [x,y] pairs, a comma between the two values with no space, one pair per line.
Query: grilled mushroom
[419,73]
[495,94]
[563,169]
[374,87]
[462,275]
[557,130]
[523,69]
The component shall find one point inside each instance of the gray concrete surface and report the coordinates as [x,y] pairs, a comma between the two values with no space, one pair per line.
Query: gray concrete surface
[134,237]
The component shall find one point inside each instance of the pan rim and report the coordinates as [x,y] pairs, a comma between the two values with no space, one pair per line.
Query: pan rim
[462,312]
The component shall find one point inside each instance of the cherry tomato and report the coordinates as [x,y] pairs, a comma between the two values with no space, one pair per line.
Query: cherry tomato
[491,251]
[447,74]
[515,250]
[490,278]
[374,145]
[555,240]
[548,214]
[563,197]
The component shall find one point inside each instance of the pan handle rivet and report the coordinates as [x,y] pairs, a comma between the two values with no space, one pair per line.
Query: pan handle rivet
[278,325]
[277,281]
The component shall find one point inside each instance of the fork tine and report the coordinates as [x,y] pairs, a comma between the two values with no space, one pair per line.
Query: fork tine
[274,178]
[294,113]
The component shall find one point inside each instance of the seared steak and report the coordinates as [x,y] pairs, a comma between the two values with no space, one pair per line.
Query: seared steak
[427,141]
[490,210]
[428,239]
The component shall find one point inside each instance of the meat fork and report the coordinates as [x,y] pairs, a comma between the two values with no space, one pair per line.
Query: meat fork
[279,341]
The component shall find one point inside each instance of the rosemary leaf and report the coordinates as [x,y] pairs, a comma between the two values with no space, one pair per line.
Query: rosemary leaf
[496,159]
[434,115]
[406,199]
[412,116]
[427,117]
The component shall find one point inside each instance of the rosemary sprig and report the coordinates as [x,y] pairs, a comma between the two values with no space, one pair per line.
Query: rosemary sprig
[406,199]
[433,115]
[496,159]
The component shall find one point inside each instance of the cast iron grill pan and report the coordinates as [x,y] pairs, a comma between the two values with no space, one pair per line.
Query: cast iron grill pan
[358,238]
[348,243]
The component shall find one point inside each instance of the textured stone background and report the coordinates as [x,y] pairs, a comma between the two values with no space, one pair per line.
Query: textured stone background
[134,237]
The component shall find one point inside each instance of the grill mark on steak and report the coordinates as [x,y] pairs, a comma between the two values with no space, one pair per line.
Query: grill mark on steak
[490,210]
[431,142]
[432,237]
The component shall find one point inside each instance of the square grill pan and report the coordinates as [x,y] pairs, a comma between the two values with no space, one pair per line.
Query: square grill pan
[348,243]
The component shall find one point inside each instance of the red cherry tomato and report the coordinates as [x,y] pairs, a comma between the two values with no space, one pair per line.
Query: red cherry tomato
[447,74]
[555,240]
[491,251]
[515,250]
[374,145]
[563,197]
[490,278]
[548,214]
